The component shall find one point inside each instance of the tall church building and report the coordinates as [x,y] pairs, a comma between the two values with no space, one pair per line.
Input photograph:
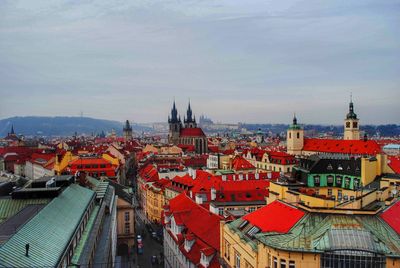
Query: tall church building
[351,125]
[175,126]
[188,134]
[127,131]
[295,138]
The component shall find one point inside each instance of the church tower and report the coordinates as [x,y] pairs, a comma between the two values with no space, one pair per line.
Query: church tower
[190,120]
[351,126]
[295,138]
[127,131]
[175,125]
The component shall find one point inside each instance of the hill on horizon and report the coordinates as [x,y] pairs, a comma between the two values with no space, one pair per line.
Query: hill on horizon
[61,126]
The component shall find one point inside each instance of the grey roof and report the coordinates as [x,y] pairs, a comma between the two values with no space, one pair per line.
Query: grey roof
[13,224]
[120,191]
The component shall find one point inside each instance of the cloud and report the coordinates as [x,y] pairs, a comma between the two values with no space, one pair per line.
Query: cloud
[237,61]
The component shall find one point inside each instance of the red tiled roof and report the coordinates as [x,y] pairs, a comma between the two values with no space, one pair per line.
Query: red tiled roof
[192,132]
[213,148]
[275,217]
[89,161]
[239,163]
[197,161]
[149,173]
[369,147]
[392,217]
[394,163]
[38,156]
[185,180]
[162,183]
[193,217]
[187,147]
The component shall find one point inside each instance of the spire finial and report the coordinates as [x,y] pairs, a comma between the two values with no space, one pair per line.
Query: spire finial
[294,119]
[12,130]
[351,96]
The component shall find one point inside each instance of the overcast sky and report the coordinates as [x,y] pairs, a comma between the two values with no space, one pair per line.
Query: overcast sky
[237,61]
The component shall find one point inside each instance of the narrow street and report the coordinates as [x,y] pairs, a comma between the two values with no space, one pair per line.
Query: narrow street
[151,247]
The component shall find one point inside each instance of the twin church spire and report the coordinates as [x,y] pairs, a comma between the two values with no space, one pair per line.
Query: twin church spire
[189,120]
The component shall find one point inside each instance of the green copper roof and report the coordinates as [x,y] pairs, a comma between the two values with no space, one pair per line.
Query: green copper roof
[85,235]
[318,232]
[100,187]
[10,207]
[295,126]
[49,232]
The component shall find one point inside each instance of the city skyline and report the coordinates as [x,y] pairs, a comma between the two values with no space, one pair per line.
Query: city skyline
[237,62]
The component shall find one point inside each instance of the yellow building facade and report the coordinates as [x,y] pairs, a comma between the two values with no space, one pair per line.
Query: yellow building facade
[155,201]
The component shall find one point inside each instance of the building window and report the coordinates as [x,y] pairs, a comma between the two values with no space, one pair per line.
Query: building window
[283,263]
[330,180]
[316,180]
[220,211]
[355,124]
[275,262]
[227,250]
[347,182]
[292,264]
[339,181]
[127,227]
[347,124]
[329,192]
[339,195]
[127,218]
[356,183]
[290,135]
[298,135]
[237,260]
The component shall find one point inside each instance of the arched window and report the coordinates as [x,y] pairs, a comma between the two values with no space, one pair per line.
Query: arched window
[290,135]
[298,135]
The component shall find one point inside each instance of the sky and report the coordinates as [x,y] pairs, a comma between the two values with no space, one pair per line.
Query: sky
[237,61]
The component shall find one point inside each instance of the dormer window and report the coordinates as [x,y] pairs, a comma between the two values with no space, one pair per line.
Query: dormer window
[340,167]
[243,224]
[253,231]
[329,167]
[205,260]
[189,241]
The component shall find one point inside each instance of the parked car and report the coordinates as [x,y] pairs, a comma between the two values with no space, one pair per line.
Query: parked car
[140,248]
[154,259]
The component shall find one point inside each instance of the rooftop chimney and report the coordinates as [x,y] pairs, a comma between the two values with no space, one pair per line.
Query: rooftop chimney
[27,250]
